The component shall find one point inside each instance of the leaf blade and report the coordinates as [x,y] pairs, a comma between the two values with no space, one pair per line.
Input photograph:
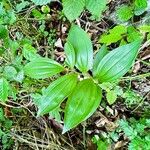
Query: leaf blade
[70,54]
[4,87]
[101,53]
[115,64]
[83,48]
[111,97]
[72,9]
[41,2]
[55,93]
[40,68]
[96,7]
[78,108]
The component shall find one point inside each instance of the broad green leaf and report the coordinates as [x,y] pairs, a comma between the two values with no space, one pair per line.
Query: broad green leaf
[70,54]
[10,72]
[4,87]
[114,35]
[20,76]
[110,38]
[124,13]
[81,104]
[10,17]
[133,34]
[111,97]
[120,29]
[101,53]
[41,2]
[140,6]
[56,93]
[145,28]
[3,32]
[22,5]
[38,15]
[29,52]
[41,68]
[73,8]
[96,7]
[82,45]
[117,62]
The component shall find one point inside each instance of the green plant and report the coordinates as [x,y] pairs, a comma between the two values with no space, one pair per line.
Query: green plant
[140,6]
[23,4]
[102,143]
[41,2]
[83,96]
[5,126]
[120,34]
[126,12]
[131,98]
[72,9]
[137,132]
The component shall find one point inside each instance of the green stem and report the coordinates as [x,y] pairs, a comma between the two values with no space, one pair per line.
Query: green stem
[136,77]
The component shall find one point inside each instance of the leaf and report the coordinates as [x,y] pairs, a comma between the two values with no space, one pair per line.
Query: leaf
[56,93]
[3,32]
[145,28]
[10,72]
[140,6]
[133,34]
[29,52]
[82,45]
[38,15]
[20,76]
[128,130]
[10,17]
[2,116]
[101,53]
[3,89]
[96,7]
[124,13]
[114,35]
[117,62]
[22,5]
[70,54]
[41,2]
[73,8]
[41,68]
[111,97]
[81,104]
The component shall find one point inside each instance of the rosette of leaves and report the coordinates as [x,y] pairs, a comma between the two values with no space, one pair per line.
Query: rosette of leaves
[83,97]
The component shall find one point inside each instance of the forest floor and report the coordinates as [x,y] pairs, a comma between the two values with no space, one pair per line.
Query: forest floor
[22,130]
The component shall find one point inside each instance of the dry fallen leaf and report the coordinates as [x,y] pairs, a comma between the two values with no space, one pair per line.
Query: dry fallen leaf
[120,144]
[136,67]
[58,43]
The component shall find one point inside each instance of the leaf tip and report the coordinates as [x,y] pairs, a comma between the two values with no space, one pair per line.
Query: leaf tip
[65,129]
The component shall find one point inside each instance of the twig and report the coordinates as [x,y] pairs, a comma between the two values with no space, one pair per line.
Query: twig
[96,27]
[140,103]
[21,139]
